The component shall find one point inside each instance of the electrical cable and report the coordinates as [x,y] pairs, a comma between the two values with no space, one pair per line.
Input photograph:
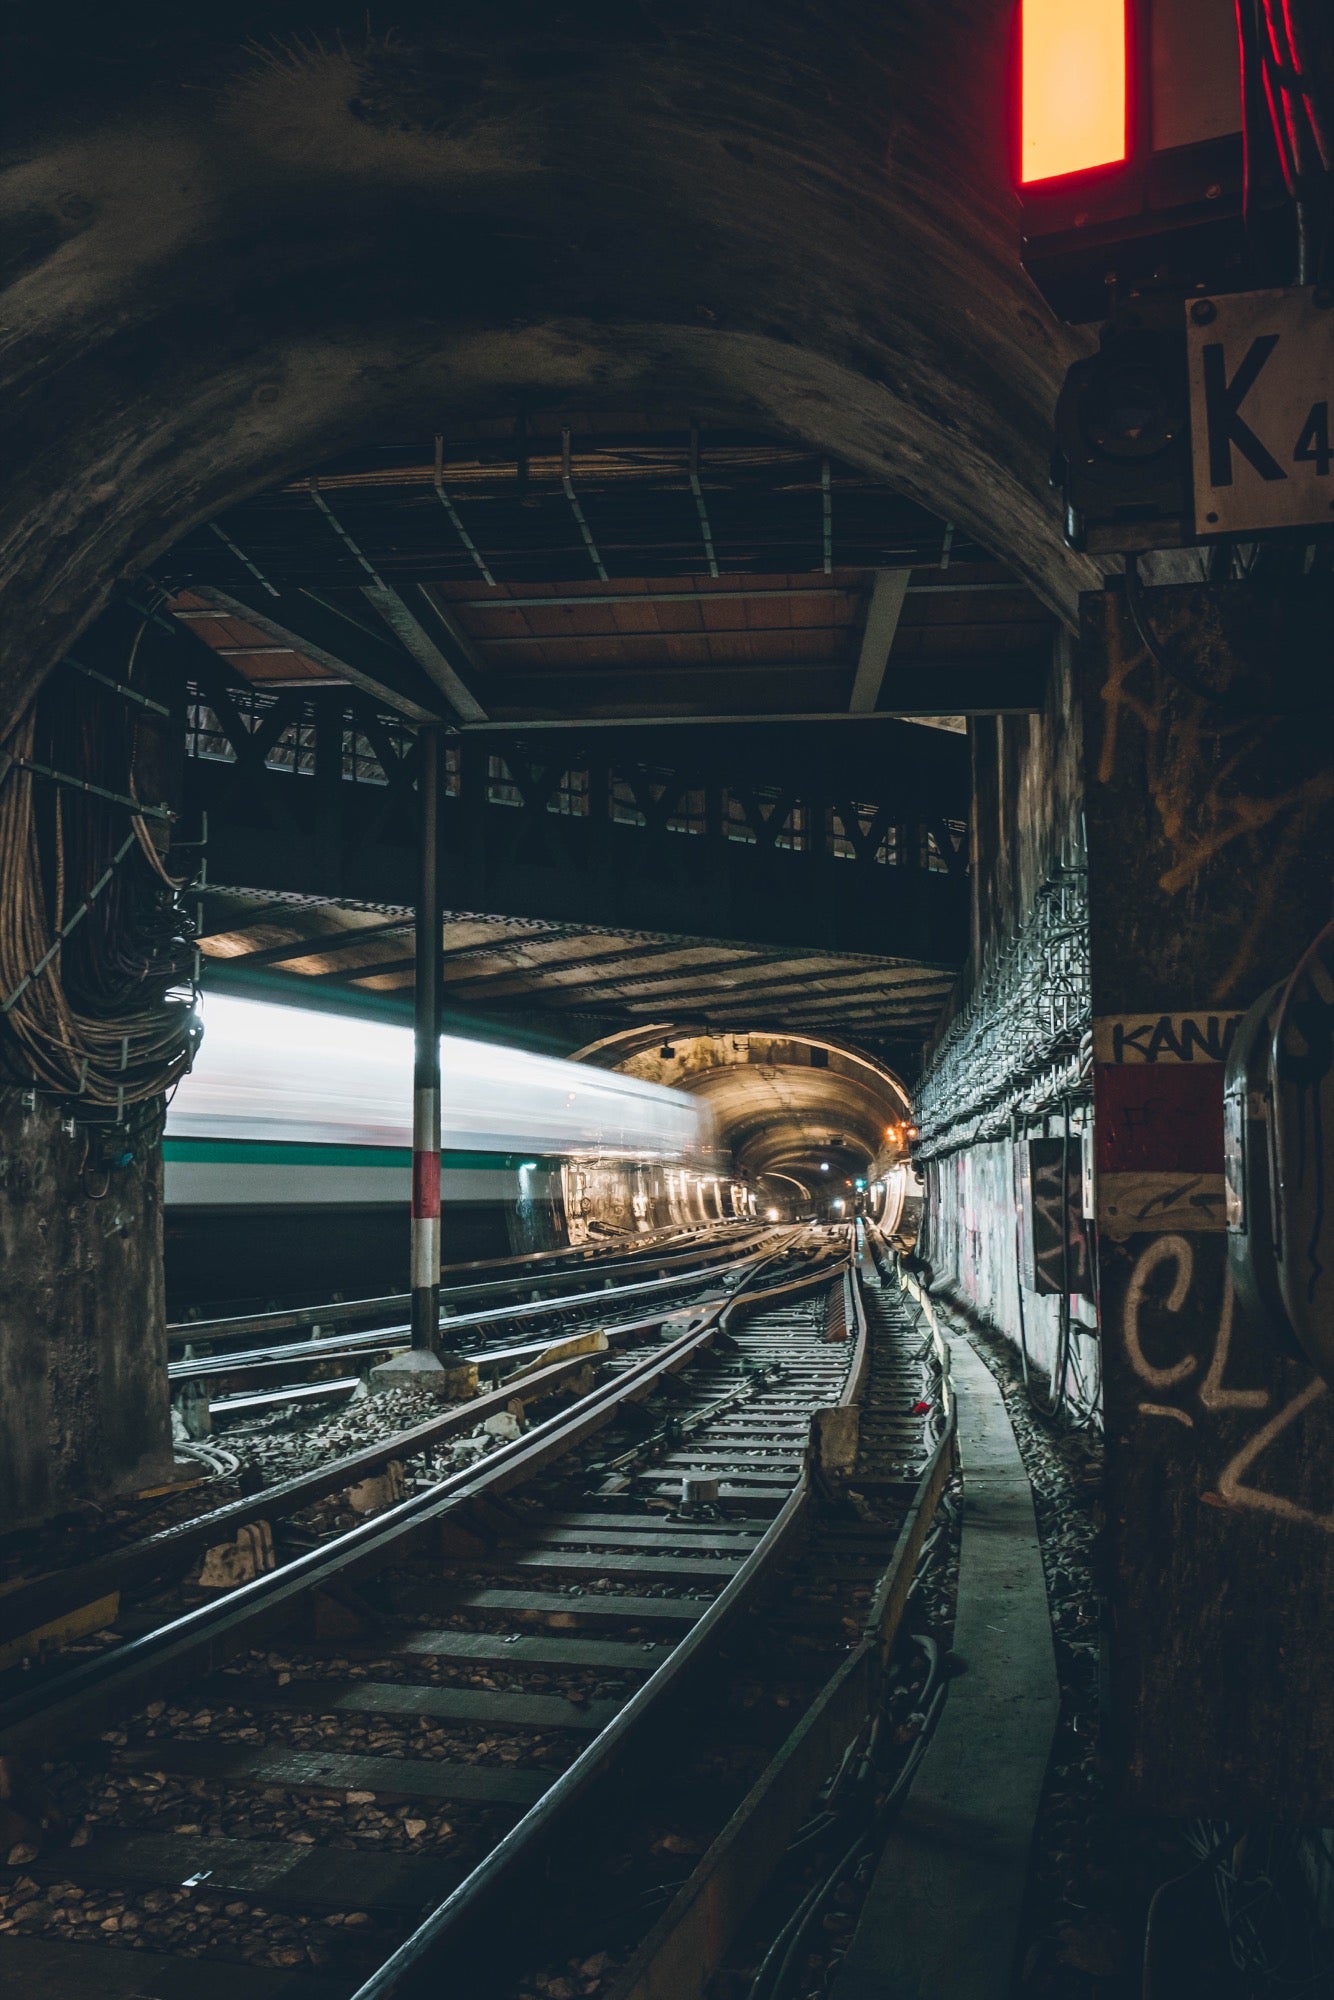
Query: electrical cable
[221,1464]
[99,1004]
[773,1976]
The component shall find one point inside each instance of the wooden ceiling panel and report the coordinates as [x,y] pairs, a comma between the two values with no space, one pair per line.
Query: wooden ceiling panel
[554,581]
[570,971]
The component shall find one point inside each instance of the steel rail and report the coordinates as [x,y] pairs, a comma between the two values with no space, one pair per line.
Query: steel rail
[461,1323]
[689,1940]
[444,1931]
[300,1319]
[82,1696]
[489,1361]
[36,1604]
[30,1607]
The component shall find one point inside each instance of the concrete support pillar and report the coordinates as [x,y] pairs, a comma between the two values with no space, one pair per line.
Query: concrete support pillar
[1209,836]
[83,1363]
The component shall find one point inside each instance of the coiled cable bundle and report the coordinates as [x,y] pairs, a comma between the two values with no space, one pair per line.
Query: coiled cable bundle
[97,992]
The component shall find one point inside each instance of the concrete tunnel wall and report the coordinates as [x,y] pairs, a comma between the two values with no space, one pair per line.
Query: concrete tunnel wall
[1027,820]
[241,242]
[83,1349]
[780,1102]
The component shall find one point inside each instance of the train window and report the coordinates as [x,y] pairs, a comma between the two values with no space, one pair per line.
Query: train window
[690,814]
[736,821]
[204,734]
[624,806]
[633,791]
[794,835]
[570,798]
[294,749]
[362,760]
[846,845]
[934,858]
[793,832]
[501,789]
[361,766]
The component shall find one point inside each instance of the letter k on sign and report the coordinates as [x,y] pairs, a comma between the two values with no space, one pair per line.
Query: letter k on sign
[1223,401]
[1261,369]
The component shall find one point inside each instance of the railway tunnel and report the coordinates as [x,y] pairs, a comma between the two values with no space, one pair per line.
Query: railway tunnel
[669,549]
[808,1126]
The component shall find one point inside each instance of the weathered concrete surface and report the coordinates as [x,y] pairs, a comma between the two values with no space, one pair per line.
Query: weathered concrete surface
[941,1917]
[244,240]
[974,1247]
[1028,792]
[83,1352]
[1210,832]
[1028,797]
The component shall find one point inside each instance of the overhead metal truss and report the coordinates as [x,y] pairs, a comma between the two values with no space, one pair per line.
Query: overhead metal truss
[780,893]
[525,505]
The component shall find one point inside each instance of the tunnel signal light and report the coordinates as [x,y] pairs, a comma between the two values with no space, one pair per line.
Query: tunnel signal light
[1073,98]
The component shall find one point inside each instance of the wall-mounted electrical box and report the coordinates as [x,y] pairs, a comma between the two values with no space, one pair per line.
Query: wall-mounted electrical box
[1055,1244]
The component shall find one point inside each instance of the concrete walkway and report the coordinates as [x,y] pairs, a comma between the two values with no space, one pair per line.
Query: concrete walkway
[942,1916]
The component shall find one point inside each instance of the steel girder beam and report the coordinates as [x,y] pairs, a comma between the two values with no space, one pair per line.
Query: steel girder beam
[345,646]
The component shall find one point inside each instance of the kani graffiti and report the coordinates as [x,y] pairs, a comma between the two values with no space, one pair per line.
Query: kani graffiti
[1178,1038]
[1170,1260]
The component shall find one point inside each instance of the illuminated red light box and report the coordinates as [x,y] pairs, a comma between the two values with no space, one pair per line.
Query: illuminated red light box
[1073,63]
[1126,147]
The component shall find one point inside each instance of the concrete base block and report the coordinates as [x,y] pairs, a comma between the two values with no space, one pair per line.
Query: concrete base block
[452,1377]
[413,1369]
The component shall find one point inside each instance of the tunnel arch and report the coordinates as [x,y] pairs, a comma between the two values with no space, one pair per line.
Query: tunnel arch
[799,1106]
[236,262]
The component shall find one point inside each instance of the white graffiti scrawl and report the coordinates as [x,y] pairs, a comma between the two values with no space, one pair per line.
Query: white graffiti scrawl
[1176,1255]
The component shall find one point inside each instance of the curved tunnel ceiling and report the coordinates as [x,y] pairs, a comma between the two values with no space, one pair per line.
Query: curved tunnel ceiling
[240,261]
[781,1104]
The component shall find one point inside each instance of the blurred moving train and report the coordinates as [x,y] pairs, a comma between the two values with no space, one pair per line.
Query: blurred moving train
[288,1157]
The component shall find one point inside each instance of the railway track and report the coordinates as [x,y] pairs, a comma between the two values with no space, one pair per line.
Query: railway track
[525,1279]
[54,1607]
[292,1376]
[353,1771]
[289,1368]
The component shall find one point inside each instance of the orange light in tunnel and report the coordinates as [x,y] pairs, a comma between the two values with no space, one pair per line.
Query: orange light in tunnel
[1073,92]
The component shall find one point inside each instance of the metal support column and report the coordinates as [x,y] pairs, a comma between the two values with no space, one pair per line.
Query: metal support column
[426,1061]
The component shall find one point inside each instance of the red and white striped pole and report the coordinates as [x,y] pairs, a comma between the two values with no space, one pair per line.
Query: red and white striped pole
[426,1057]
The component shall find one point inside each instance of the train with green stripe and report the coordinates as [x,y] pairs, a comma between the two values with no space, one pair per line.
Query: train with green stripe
[288,1157]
